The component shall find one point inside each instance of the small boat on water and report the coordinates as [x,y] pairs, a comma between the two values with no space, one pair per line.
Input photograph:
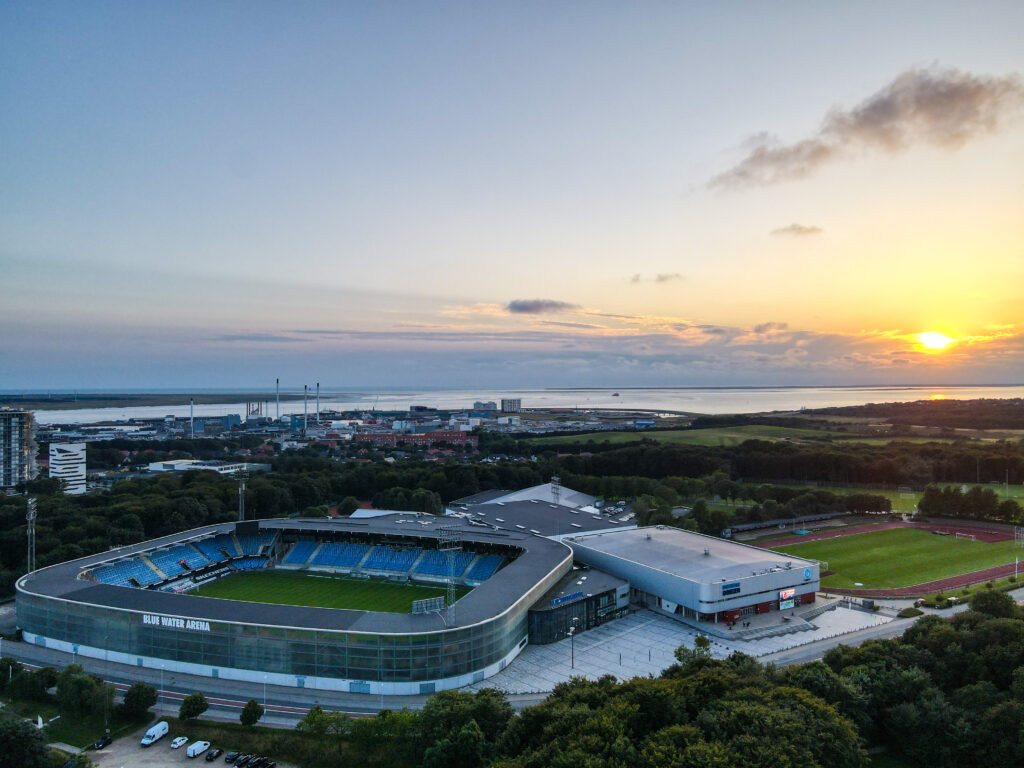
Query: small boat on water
[615,394]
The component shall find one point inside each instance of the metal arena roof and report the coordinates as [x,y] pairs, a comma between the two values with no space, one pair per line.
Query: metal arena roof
[686,554]
[538,558]
[543,518]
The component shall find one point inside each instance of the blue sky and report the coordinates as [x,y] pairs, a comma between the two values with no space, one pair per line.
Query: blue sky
[208,194]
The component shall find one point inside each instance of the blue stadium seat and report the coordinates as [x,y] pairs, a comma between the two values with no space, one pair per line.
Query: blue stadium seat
[167,559]
[300,552]
[340,554]
[435,563]
[120,572]
[385,558]
[484,568]
[212,547]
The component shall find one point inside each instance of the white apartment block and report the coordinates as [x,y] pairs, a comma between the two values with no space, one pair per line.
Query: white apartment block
[67,464]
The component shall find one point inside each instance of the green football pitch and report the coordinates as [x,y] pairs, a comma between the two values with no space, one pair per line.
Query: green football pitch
[901,557]
[321,591]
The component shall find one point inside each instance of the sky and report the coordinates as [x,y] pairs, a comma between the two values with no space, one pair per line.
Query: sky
[510,194]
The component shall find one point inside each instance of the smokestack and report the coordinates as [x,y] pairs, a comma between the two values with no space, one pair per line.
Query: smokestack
[305,414]
[191,417]
[277,398]
[318,402]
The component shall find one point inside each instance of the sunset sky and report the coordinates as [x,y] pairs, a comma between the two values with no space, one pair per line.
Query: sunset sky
[200,194]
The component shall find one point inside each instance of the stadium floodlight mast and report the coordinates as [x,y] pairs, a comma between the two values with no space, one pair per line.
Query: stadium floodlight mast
[449,541]
[242,477]
[30,518]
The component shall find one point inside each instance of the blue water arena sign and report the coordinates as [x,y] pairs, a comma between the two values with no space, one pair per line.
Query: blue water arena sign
[566,598]
[807,573]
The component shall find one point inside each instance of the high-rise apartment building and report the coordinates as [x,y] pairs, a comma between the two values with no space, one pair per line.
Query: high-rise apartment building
[17,448]
[511,405]
[67,464]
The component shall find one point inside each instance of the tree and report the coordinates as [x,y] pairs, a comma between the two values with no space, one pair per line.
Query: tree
[994,603]
[9,667]
[348,505]
[137,700]
[22,744]
[80,694]
[192,706]
[251,713]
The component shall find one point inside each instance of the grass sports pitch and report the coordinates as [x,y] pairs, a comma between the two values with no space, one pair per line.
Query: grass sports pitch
[321,591]
[901,557]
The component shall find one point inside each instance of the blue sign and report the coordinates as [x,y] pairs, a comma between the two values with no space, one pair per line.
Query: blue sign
[807,573]
[566,598]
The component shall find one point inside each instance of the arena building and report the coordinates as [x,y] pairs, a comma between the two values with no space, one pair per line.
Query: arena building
[135,606]
[701,578]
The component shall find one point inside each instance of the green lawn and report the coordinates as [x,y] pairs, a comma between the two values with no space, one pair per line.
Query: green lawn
[900,557]
[321,591]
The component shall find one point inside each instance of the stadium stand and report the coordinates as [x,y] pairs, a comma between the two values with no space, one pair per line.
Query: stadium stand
[167,559]
[300,553]
[251,545]
[385,558]
[120,572]
[484,568]
[435,563]
[212,547]
[340,554]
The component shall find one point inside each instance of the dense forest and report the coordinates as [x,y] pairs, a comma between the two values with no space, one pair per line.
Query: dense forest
[948,694]
[656,477]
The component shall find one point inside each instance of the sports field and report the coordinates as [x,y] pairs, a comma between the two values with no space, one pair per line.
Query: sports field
[901,557]
[321,591]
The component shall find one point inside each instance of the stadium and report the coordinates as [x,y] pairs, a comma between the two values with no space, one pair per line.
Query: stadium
[397,603]
[146,605]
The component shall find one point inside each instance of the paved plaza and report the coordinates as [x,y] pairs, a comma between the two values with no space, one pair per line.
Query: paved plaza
[643,643]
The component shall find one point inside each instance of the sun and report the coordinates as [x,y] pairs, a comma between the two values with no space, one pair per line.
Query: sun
[934,340]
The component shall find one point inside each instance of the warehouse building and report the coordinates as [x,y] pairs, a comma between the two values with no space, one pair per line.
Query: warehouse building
[688,575]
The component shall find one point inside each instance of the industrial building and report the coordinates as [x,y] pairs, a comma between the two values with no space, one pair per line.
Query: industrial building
[17,448]
[685,574]
[67,464]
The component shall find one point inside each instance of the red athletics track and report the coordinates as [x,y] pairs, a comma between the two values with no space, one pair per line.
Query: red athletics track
[980,531]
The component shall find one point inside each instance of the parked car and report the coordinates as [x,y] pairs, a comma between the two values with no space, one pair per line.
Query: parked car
[243,759]
[102,741]
[181,741]
[196,748]
[230,757]
[155,733]
[213,754]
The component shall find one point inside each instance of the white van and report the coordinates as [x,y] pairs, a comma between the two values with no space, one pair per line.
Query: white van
[196,748]
[155,733]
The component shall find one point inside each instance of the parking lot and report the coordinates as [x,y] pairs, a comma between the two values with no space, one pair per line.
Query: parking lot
[126,753]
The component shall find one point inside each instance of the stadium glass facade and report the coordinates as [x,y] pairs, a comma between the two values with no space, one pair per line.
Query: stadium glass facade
[297,653]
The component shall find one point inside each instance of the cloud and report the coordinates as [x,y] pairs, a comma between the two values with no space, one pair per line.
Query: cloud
[943,108]
[770,326]
[538,306]
[258,337]
[661,277]
[797,230]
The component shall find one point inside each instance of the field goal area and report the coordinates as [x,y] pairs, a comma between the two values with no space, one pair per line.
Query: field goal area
[966,536]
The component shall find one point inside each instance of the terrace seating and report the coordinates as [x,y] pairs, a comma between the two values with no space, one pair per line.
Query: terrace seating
[251,545]
[300,553]
[435,563]
[120,572]
[167,559]
[485,567]
[212,547]
[340,554]
[385,558]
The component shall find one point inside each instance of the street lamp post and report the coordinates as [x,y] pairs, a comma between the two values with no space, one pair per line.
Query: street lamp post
[264,691]
[572,642]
